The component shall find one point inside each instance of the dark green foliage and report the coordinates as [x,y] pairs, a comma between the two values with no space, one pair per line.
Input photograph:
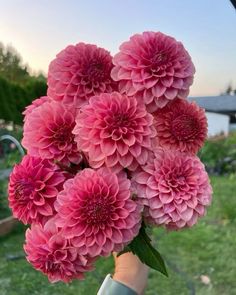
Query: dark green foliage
[6,107]
[35,87]
[14,98]
[17,87]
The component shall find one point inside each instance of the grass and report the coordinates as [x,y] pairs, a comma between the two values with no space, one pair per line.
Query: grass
[206,249]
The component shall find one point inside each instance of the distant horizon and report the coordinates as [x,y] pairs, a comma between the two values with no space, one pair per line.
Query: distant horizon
[205,28]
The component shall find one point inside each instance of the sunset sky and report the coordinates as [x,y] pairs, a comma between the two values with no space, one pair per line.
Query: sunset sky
[40,29]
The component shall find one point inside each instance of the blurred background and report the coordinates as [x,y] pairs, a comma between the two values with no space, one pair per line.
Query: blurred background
[200,260]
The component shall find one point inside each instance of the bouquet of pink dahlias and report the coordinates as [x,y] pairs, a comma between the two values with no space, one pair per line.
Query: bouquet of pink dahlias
[111,150]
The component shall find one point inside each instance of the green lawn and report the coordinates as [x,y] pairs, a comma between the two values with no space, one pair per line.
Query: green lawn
[206,249]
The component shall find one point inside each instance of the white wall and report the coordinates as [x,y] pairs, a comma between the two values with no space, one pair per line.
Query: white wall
[217,123]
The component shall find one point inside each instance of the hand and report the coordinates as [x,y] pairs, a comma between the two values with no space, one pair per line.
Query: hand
[130,271]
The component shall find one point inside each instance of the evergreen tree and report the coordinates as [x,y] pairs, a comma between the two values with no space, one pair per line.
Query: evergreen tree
[20,98]
[11,66]
[5,109]
[35,88]
[17,87]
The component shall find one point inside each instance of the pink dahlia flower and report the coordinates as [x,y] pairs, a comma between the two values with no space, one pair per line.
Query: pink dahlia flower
[154,67]
[95,211]
[79,72]
[35,103]
[33,188]
[48,133]
[174,188]
[181,125]
[49,252]
[115,131]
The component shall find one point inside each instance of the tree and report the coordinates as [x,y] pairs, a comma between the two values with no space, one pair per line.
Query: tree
[20,99]
[6,110]
[35,88]
[17,87]
[14,98]
[229,90]
[11,66]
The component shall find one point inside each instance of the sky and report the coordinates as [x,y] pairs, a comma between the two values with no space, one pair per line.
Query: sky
[207,28]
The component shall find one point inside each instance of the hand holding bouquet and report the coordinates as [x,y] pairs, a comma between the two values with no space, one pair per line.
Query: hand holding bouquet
[111,150]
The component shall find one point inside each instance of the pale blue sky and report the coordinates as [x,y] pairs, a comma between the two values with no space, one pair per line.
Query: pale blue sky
[207,28]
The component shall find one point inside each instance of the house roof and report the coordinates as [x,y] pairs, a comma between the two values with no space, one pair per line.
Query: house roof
[220,103]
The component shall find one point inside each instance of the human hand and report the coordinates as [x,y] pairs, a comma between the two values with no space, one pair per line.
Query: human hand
[130,271]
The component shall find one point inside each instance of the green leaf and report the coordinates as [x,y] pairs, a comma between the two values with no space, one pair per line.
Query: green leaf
[141,246]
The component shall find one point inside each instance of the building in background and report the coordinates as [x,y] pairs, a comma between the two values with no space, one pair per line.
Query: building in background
[220,112]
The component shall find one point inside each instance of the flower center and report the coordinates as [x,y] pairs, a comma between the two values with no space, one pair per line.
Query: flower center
[158,61]
[63,135]
[120,120]
[176,181]
[98,211]
[51,264]
[94,72]
[159,58]
[23,190]
[184,127]
[118,125]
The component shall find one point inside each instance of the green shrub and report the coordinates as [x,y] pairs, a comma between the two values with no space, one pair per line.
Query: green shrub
[14,97]
[4,210]
[219,154]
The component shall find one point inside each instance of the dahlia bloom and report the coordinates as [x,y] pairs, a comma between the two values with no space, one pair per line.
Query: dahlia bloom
[154,67]
[181,125]
[33,188]
[35,103]
[96,212]
[115,131]
[79,72]
[48,133]
[49,252]
[174,188]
